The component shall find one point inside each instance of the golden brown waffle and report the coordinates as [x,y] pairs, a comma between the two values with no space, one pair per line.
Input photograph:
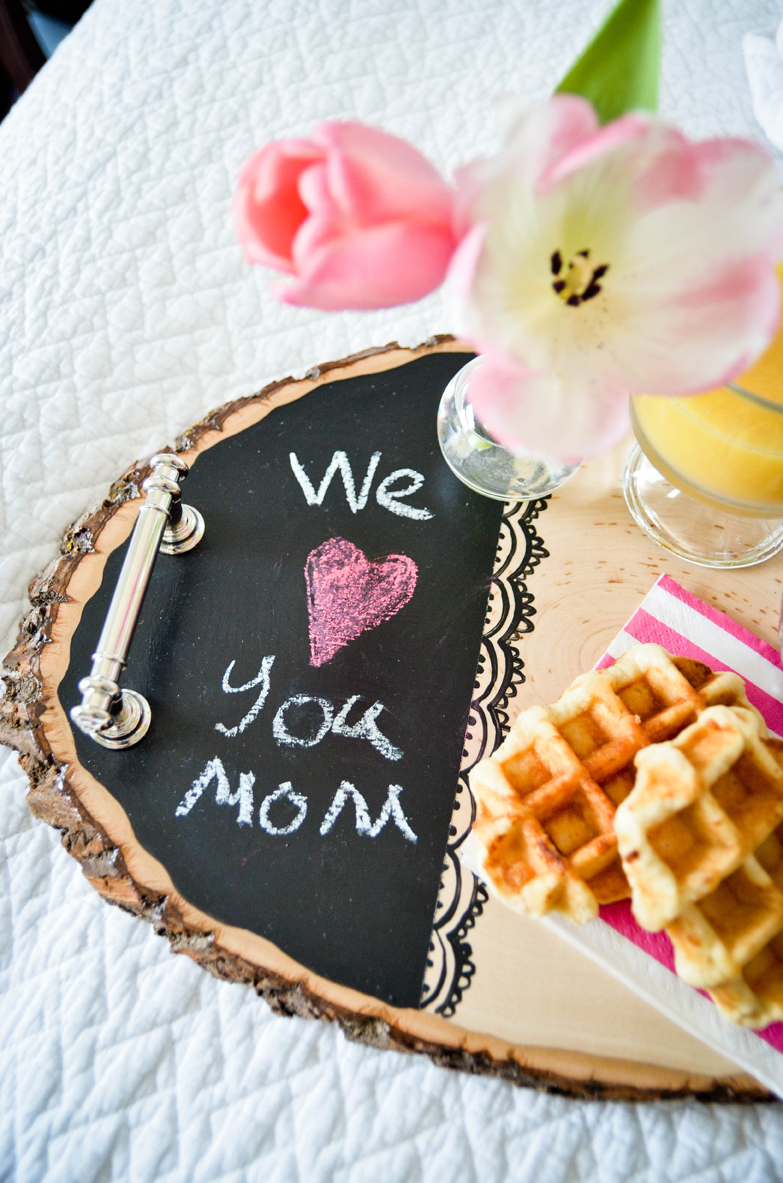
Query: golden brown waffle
[701,804]
[546,799]
[700,837]
[754,996]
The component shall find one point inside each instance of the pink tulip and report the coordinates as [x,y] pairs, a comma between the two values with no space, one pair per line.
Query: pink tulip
[358,217]
[605,261]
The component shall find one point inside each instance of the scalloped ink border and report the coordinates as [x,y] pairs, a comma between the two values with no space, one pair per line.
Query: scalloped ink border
[510,612]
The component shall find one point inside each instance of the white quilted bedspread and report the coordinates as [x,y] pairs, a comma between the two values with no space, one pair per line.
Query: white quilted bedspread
[126,312]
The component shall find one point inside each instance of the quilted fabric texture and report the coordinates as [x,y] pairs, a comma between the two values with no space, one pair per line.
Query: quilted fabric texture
[127,313]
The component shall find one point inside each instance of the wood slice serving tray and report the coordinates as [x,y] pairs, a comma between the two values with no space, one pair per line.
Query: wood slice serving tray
[290,820]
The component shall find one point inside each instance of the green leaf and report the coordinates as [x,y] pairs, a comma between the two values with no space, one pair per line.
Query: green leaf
[618,72]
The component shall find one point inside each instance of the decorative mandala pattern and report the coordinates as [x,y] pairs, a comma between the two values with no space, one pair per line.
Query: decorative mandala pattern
[509,616]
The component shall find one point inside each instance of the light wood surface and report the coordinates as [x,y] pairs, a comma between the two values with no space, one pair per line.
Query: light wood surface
[537,1012]
[600,568]
[530,987]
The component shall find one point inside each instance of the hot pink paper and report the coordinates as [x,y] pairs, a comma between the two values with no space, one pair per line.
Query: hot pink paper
[685,625]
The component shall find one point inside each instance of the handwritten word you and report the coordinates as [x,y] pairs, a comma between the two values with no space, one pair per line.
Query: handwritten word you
[243,797]
[385,495]
[330,720]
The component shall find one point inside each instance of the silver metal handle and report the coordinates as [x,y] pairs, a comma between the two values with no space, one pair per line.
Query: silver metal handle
[117,718]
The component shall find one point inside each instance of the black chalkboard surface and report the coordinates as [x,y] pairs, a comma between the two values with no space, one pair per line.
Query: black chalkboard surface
[310,668]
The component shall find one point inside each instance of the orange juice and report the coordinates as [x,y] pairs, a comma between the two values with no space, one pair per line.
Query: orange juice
[724,447]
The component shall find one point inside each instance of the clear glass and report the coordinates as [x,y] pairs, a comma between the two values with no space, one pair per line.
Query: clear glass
[481,462]
[706,480]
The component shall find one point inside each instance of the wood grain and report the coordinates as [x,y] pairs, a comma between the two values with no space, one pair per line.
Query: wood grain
[599,569]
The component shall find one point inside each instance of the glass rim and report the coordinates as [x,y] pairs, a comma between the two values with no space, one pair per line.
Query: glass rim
[759,399]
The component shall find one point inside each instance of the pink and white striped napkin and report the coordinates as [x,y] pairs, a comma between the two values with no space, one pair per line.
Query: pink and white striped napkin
[685,625]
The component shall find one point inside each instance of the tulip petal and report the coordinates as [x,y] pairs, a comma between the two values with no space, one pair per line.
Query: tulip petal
[531,414]
[593,147]
[697,284]
[313,189]
[538,139]
[375,177]
[267,206]
[676,172]
[377,268]
[464,262]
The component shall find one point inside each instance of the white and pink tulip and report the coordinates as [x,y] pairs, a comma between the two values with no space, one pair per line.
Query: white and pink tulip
[604,261]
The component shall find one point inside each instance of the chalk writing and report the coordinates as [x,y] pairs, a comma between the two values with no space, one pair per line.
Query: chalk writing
[386,497]
[283,735]
[392,809]
[366,727]
[364,824]
[263,678]
[223,795]
[286,791]
[390,498]
[348,595]
[339,460]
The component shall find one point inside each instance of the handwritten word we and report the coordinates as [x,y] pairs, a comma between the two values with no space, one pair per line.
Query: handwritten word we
[244,798]
[386,497]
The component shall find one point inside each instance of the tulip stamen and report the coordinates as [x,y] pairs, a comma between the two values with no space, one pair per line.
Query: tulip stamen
[581,279]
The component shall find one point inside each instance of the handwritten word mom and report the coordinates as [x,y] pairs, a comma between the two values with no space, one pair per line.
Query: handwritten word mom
[385,495]
[337,723]
[243,797]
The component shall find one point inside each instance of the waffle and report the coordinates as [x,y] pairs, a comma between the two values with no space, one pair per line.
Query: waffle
[546,799]
[702,844]
[753,997]
[701,804]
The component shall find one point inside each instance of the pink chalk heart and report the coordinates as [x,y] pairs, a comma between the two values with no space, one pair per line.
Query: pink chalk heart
[347,594]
